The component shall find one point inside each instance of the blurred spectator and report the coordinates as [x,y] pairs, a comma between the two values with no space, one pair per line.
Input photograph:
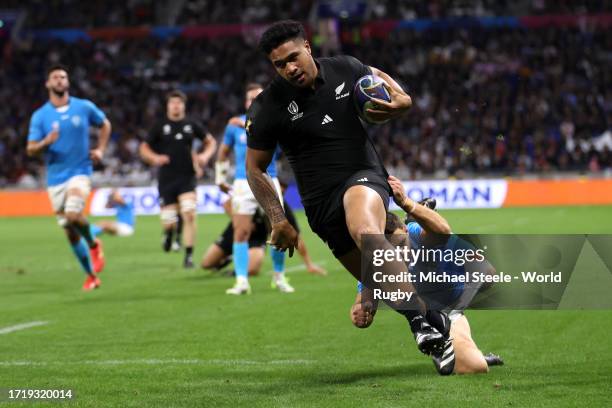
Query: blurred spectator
[495,102]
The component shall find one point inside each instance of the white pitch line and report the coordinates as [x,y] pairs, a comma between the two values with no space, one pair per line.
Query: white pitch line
[21,326]
[158,362]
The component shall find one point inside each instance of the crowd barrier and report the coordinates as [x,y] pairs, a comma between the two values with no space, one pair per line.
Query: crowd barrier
[450,194]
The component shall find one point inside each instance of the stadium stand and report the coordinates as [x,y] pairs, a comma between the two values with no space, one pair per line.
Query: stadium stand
[490,99]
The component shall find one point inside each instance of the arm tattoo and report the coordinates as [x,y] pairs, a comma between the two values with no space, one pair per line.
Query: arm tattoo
[265,193]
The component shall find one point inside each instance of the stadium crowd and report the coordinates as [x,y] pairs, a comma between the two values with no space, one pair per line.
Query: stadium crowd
[496,102]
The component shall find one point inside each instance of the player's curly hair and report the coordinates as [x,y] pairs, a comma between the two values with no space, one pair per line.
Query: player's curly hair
[279,33]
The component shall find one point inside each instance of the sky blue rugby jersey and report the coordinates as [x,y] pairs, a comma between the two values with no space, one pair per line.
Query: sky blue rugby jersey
[236,138]
[69,155]
[445,293]
[125,214]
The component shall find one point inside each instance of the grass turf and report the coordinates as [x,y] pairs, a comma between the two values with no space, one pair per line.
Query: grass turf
[156,335]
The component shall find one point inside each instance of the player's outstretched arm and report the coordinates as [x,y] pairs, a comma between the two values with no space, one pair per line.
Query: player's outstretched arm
[283,236]
[431,221]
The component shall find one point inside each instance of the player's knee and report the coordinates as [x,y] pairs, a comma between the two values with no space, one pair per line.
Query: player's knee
[169,216]
[188,209]
[254,270]
[73,208]
[241,234]
[207,263]
[72,218]
[358,231]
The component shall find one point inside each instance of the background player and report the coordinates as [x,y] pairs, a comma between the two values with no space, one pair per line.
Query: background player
[60,130]
[219,253]
[169,146]
[124,225]
[244,204]
[341,179]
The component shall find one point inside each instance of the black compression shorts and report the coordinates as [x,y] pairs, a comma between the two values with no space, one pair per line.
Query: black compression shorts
[328,219]
[170,190]
[257,239]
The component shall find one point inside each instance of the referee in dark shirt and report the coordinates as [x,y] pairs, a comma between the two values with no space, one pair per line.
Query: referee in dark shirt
[308,110]
[169,145]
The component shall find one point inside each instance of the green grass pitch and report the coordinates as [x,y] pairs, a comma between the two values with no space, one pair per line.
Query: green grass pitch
[155,335]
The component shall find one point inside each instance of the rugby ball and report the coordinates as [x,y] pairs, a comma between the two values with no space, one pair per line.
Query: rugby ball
[366,88]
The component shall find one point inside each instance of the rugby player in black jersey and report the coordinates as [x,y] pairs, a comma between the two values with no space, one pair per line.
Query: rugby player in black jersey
[308,111]
[169,145]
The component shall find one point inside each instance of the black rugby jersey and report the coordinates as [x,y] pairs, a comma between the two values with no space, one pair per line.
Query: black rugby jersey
[175,139]
[318,130]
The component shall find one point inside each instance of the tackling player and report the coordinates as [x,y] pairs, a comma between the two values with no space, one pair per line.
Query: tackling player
[124,225]
[244,204]
[169,146]
[60,130]
[309,112]
[429,229]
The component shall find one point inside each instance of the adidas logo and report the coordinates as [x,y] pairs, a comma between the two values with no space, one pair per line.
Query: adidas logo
[326,120]
[362,180]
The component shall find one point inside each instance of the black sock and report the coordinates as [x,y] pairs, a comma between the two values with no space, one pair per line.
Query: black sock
[414,317]
[179,229]
[85,232]
[168,240]
[435,318]
[188,251]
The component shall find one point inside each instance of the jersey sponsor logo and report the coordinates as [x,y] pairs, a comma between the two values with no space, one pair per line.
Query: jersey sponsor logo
[64,117]
[187,129]
[178,136]
[295,111]
[76,120]
[167,129]
[326,119]
[339,89]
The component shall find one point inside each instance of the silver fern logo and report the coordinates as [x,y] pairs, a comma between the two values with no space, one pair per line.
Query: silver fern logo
[339,89]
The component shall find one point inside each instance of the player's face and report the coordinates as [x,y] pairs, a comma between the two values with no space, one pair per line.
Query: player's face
[57,82]
[293,61]
[250,97]
[175,108]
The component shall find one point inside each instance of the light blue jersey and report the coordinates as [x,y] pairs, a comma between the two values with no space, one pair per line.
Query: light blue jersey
[235,137]
[442,293]
[125,214]
[69,155]
[449,291]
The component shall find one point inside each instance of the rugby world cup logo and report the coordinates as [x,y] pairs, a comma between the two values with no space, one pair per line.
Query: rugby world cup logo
[293,108]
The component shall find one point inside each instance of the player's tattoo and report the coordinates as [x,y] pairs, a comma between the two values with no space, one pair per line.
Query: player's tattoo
[265,193]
